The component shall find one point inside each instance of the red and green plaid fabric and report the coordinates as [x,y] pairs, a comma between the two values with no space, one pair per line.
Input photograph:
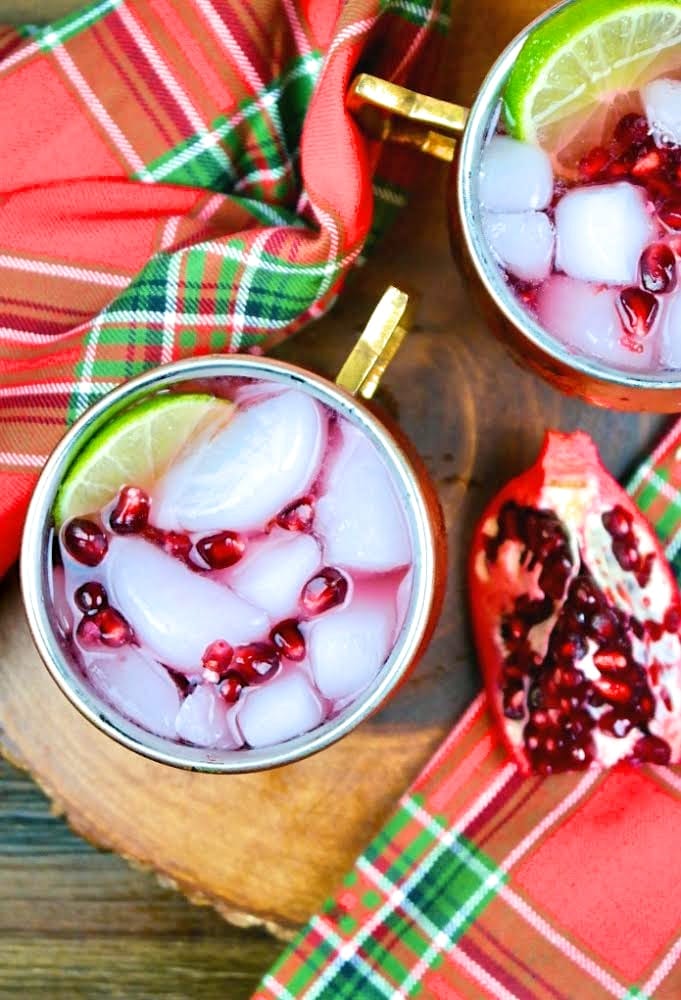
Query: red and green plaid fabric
[179,177]
[484,883]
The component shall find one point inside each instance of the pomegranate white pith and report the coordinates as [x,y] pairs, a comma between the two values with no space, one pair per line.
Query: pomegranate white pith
[577,618]
[258,587]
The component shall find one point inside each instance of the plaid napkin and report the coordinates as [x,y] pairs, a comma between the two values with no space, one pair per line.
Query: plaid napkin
[484,883]
[179,177]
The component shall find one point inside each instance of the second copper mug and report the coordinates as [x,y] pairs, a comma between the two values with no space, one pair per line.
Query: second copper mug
[459,135]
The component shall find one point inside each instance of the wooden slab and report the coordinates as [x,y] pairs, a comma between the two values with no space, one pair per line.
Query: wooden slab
[268,847]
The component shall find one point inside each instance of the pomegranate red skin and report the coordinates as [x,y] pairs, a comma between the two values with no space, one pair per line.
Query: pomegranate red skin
[563,458]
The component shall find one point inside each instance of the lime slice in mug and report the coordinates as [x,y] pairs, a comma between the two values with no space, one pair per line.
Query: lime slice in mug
[136,447]
[582,69]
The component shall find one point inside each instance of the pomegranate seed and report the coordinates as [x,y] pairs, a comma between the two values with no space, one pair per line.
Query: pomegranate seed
[288,639]
[231,688]
[615,722]
[325,590]
[647,164]
[604,626]
[652,750]
[622,166]
[255,662]
[672,620]
[666,699]
[645,569]
[594,163]
[221,550]
[106,626]
[514,702]
[175,543]
[658,268]
[298,516]
[555,575]
[617,522]
[88,632]
[85,541]
[655,630]
[131,513]
[91,597]
[637,311]
[610,662]
[216,660]
[670,213]
[632,130]
[616,691]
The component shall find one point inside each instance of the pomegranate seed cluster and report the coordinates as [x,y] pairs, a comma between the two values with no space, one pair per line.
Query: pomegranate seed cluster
[593,253]
[586,679]
[247,635]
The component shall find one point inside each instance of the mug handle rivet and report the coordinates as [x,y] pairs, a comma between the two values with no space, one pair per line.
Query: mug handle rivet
[392,113]
[387,327]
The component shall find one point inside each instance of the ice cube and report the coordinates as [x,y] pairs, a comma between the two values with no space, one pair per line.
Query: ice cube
[138,687]
[279,710]
[662,100]
[601,232]
[670,341]
[523,241]
[241,476]
[348,648]
[176,613]
[273,572]
[204,720]
[515,176]
[358,515]
[584,317]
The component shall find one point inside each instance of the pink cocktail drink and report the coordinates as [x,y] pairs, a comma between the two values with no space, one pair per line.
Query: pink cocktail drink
[250,592]
[590,239]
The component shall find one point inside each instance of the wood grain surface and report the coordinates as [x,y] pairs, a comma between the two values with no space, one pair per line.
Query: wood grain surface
[269,847]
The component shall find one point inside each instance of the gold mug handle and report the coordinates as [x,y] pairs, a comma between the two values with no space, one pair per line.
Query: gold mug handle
[390,112]
[387,327]
[395,114]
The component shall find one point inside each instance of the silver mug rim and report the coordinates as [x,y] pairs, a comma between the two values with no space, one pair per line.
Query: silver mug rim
[479,124]
[35,553]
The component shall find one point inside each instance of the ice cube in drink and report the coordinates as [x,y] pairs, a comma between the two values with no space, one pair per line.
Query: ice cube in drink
[251,589]
[584,216]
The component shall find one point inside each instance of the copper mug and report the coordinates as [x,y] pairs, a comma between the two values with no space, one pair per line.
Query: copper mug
[458,136]
[350,396]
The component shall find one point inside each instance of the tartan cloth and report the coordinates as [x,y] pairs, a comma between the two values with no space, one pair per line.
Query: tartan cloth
[180,177]
[485,883]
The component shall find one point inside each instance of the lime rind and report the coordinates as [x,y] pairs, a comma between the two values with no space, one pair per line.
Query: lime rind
[567,59]
[135,447]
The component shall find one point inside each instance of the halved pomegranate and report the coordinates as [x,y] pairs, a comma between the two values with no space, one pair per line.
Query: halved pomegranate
[576,616]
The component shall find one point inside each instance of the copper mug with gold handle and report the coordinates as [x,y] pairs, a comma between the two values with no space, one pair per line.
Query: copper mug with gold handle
[349,397]
[458,135]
